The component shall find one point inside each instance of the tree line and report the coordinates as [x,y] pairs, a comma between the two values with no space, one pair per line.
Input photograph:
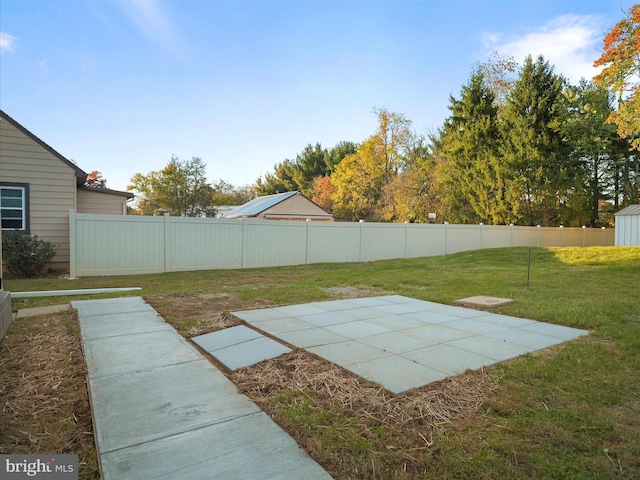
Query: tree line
[521,145]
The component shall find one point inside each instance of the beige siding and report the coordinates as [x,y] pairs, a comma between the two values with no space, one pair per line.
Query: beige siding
[101,202]
[296,207]
[52,186]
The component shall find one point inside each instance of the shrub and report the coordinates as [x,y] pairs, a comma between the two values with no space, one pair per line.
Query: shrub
[25,256]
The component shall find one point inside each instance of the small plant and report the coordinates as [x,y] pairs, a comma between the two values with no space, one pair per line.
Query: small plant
[25,256]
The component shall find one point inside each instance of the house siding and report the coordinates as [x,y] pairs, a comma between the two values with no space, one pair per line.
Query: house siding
[101,202]
[52,186]
[296,207]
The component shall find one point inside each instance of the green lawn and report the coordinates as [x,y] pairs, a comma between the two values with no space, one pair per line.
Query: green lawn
[572,411]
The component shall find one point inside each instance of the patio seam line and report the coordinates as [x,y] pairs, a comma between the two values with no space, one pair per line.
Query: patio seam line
[91,339]
[142,370]
[175,434]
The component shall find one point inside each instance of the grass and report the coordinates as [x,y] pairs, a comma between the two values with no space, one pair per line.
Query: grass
[571,411]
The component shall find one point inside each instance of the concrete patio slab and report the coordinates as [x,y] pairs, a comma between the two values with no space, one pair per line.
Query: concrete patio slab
[440,333]
[239,347]
[364,313]
[508,321]
[443,339]
[397,374]
[535,341]
[108,306]
[498,350]
[552,330]
[447,359]
[346,353]
[249,447]
[129,353]
[225,338]
[281,325]
[357,329]
[324,319]
[311,337]
[396,322]
[144,406]
[263,315]
[114,324]
[397,342]
[475,325]
[247,354]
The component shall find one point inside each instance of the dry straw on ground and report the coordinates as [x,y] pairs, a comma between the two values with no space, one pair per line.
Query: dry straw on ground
[44,402]
[410,422]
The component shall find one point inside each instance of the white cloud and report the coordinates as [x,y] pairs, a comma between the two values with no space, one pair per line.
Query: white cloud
[152,22]
[7,42]
[570,43]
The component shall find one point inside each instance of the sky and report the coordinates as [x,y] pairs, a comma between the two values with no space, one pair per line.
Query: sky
[120,86]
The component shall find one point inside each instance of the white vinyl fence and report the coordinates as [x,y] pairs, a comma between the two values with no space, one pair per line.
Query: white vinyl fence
[127,245]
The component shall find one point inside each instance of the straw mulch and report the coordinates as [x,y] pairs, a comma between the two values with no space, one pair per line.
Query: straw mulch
[393,434]
[44,402]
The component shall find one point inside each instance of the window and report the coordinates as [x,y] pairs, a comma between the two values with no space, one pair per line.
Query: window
[14,206]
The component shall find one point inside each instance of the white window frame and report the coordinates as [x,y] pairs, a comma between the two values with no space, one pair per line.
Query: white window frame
[24,219]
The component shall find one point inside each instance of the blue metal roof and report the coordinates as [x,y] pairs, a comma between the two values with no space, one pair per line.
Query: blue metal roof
[259,205]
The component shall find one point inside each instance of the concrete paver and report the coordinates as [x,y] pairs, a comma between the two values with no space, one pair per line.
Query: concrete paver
[402,343]
[484,301]
[35,311]
[163,411]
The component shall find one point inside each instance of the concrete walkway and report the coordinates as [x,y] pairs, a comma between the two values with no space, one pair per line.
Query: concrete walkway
[163,411]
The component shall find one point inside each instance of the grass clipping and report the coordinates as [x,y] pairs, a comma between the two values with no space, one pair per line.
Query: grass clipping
[44,402]
[353,427]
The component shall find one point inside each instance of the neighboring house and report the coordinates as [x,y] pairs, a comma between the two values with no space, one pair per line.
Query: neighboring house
[39,186]
[628,226]
[281,206]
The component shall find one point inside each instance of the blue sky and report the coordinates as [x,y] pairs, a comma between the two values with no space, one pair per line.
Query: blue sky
[121,85]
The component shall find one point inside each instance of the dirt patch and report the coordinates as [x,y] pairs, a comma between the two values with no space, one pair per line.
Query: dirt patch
[44,402]
[352,292]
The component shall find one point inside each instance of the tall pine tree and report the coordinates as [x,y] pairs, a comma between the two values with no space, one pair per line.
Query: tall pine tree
[470,175]
[533,146]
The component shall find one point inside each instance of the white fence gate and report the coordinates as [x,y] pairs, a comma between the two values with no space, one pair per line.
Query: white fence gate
[127,245]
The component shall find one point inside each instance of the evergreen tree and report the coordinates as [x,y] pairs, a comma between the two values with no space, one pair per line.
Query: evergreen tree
[533,146]
[472,180]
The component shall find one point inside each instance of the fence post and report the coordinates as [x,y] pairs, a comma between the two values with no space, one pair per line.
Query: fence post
[361,222]
[603,237]
[481,225]
[406,235]
[243,255]
[584,236]
[562,235]
[446,234]
[538,227]
[511,234]
[167,241]
[72,244]
[306,253]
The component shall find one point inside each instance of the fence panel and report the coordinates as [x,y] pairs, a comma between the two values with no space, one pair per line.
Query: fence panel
[334,242]
[382,241]
[123,245]
[200,243]
[118,245]
[273,243]
[425,240]
[461,238]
